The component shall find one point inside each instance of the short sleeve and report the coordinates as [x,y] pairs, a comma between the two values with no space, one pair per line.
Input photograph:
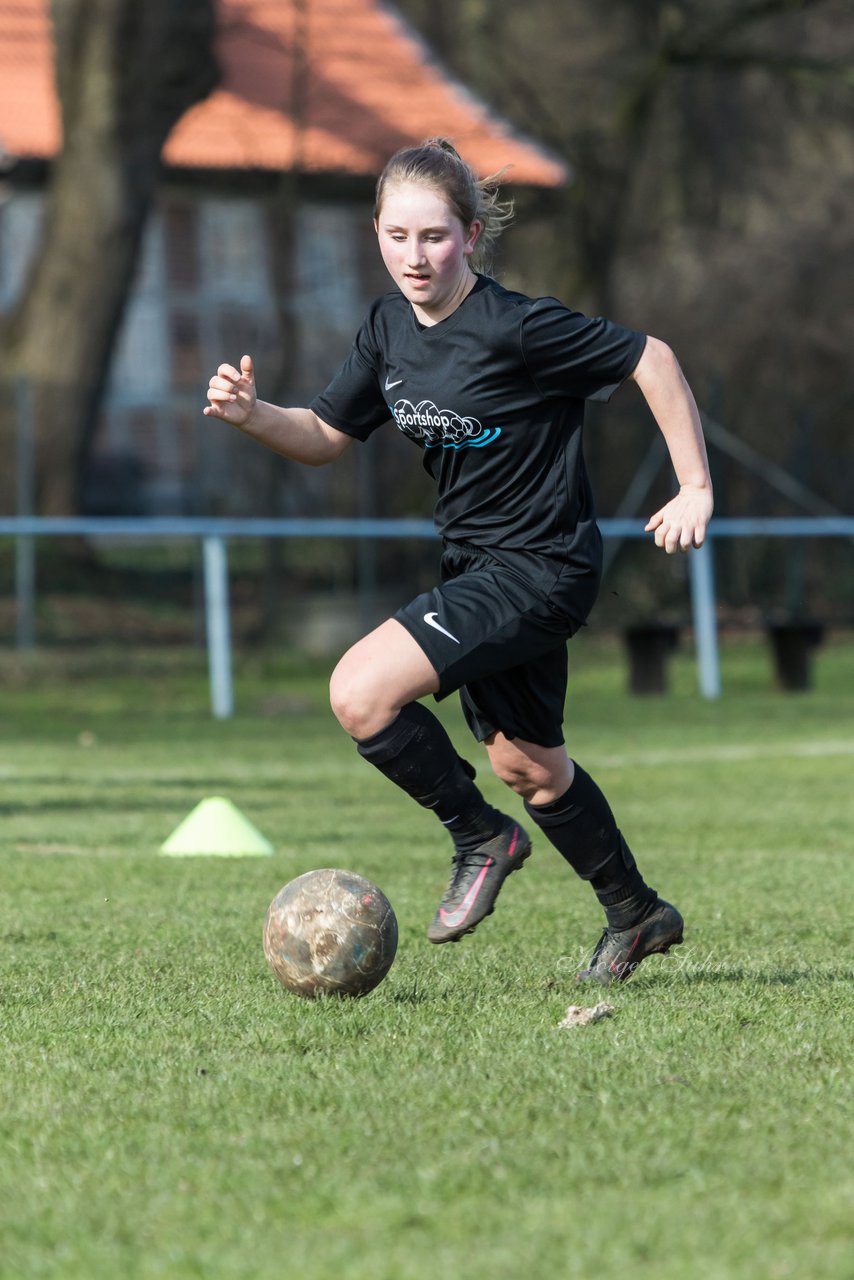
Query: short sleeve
[353,402]
[571,355]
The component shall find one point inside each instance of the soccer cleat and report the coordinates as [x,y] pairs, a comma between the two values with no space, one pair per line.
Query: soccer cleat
[476,880]
[619,952]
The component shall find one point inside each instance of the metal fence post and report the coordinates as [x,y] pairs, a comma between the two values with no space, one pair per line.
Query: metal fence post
[702,571]
[25,543]
[218,626]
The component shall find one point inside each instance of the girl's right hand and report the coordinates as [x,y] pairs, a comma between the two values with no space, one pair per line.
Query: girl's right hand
[232,394]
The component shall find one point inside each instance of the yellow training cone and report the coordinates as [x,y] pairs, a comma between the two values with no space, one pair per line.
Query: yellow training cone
[216,828]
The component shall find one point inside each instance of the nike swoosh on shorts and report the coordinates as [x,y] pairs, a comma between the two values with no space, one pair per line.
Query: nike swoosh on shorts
[430,619]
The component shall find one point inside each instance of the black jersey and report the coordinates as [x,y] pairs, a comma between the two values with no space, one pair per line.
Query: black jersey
[494,396]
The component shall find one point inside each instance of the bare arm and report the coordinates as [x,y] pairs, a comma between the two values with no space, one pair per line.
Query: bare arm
[681,523]
[294,433]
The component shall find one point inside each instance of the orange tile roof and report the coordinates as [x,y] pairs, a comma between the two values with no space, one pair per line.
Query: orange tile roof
[370,86]
[30,122]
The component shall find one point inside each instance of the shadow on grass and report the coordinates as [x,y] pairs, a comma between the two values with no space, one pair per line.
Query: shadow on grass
[429,993]
[753,977]
[712,972]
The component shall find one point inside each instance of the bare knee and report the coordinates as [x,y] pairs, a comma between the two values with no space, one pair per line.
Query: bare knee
[357,699]
[379,675]
[524,777]
[349,703]
[539,775]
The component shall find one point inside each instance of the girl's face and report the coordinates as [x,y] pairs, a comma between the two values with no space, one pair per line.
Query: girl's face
[426,249]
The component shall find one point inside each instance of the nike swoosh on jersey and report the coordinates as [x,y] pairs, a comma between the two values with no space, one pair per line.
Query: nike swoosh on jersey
[389,385]
[430,619]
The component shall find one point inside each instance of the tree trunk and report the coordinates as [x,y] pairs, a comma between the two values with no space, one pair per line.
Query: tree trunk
[126,72]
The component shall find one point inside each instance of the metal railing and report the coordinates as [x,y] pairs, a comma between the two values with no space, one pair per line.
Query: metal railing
[214,534]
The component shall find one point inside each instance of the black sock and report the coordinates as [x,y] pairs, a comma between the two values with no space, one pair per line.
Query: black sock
[582,828]
[415,753]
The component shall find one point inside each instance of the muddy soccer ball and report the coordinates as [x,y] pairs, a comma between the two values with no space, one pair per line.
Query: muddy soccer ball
[328,933]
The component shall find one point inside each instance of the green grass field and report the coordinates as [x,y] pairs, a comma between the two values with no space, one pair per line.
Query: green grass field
[167,1110]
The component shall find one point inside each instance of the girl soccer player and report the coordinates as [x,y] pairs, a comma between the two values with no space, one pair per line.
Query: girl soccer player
[490,385]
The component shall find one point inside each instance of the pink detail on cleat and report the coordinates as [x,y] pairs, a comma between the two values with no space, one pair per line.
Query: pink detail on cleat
[453,918]
[620,966]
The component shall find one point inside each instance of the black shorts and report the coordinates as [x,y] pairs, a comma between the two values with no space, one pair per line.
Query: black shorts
[499,637]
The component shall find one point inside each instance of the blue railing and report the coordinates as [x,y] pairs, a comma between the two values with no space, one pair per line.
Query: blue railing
[214,534]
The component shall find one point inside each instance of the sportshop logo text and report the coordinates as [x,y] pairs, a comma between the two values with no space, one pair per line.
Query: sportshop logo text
[441,427]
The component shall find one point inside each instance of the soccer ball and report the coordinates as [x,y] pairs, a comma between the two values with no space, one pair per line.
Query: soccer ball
[330,932]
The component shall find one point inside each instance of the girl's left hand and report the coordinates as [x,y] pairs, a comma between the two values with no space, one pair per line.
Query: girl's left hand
[681,523]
